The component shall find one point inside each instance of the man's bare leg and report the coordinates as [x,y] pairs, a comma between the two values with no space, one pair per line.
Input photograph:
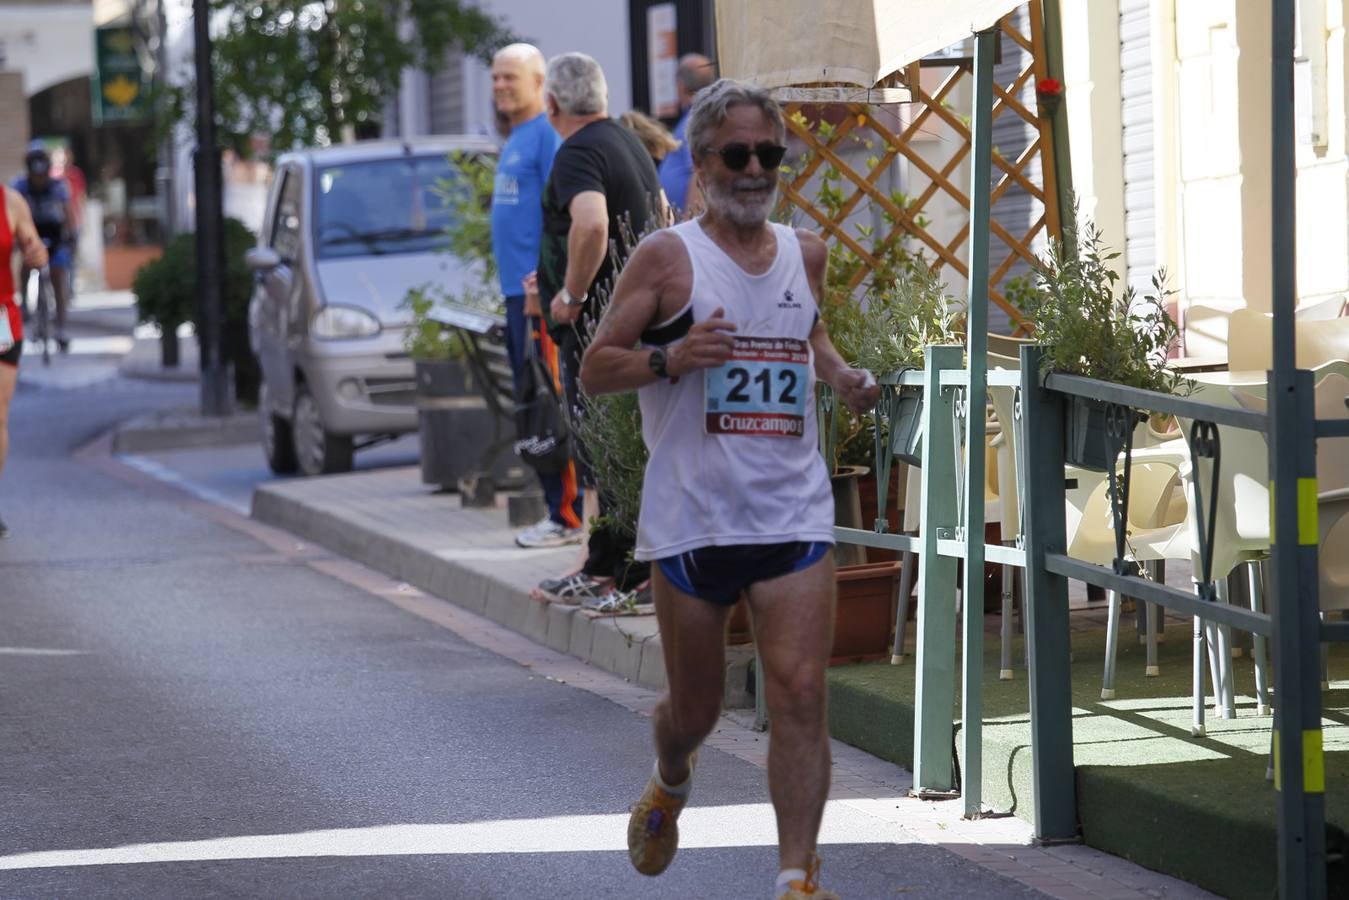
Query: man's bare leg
[693,639]
[9,377]
[793,620]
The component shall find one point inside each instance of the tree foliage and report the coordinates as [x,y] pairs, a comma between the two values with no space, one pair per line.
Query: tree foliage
[304,70]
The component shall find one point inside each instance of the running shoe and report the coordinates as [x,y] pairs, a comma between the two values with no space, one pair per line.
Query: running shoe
[809,888]
[619,603]
[547,533]
[653,829]
[572,589]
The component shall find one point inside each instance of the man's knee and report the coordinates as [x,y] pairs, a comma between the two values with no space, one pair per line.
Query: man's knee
[800,695]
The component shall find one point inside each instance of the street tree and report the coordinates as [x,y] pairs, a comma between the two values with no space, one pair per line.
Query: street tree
[305,71]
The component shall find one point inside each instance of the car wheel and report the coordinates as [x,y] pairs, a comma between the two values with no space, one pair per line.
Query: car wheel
[278,439]
[318,451]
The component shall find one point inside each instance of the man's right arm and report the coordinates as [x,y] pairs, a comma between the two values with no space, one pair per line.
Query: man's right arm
[611,364]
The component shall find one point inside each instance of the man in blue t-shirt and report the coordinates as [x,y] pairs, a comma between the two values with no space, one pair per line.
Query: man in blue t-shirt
[517,227]
[676,170]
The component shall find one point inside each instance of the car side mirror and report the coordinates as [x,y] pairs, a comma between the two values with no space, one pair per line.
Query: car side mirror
[262,259]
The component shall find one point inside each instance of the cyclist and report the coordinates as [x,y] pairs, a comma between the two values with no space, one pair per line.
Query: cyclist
[17,232]
[49,201]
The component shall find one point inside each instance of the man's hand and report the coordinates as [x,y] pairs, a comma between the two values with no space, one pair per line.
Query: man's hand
[564,313]
[858,389]
[708,344]
[530,283]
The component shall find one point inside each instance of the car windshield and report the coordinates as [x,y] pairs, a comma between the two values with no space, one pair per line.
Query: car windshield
[384,206]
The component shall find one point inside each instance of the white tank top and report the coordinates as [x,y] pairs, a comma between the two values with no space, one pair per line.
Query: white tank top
[735,451]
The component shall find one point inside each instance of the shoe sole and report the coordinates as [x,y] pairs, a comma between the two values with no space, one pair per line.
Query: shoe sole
[549,544]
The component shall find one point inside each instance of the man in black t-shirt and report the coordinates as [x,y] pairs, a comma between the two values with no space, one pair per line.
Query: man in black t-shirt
[602,178]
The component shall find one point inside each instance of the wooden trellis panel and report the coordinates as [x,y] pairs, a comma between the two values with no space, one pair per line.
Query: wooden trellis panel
[1006,248]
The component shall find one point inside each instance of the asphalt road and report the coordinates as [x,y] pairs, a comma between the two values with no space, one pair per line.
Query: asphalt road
[168,680]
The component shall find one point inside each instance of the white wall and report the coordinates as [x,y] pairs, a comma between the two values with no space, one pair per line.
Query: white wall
[48,43]
[595,27]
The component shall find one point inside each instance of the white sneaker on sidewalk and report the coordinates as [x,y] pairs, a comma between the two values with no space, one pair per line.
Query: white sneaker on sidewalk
[547,533]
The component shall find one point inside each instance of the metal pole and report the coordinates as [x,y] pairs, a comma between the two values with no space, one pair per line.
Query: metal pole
[215,387]
[1047,634]
[935,663]
[164,171]
[976,342]
[1299,768]
[1063,169]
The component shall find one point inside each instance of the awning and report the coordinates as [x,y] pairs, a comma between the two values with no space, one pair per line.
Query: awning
[860,43]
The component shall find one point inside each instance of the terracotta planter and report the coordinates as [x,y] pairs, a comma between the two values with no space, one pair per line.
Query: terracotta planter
[866,612]
[848,512]
[867,495]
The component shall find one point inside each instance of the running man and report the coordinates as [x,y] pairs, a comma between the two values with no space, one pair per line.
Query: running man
[16,233]
[736,497]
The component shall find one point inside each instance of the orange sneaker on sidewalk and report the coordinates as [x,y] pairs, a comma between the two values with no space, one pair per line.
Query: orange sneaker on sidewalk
[808,888]
[653,829]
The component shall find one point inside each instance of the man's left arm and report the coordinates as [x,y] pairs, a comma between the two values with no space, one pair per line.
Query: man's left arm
[856,387]
[587,243]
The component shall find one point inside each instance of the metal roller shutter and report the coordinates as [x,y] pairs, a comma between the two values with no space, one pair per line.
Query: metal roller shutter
[1140,204]
[445,95]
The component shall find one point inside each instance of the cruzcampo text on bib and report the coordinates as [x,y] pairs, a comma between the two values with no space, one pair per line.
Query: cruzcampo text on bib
[761,390]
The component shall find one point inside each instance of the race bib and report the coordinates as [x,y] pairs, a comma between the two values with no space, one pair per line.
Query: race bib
[761,390]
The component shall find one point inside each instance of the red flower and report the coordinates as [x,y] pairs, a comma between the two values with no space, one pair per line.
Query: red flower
[1049,87]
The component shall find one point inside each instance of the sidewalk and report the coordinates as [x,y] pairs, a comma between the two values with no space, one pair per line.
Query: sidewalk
[391,522]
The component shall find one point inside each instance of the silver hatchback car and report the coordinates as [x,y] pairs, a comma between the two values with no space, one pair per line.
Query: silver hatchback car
[348,232]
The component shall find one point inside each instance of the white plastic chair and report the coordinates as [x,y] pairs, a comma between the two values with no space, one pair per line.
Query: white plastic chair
[1157,531]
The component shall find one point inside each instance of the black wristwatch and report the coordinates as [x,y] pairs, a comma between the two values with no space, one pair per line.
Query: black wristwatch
[657,361]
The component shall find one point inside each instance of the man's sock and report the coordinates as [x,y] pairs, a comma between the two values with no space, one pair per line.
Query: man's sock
[680,790]
[785,879]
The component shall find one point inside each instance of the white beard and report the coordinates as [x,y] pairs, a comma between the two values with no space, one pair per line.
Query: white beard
[741,209]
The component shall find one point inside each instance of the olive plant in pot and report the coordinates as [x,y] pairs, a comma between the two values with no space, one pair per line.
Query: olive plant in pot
[1090,325]
[438,352]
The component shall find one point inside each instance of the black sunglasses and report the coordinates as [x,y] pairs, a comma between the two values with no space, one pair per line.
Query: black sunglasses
[736,156]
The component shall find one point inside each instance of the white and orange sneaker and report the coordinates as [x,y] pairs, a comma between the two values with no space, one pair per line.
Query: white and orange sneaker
[808,888]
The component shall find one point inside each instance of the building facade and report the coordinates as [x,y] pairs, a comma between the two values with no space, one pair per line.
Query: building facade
[1170,128]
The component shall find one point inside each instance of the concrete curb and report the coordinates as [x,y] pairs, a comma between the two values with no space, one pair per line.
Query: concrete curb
[183,430]
[628,647]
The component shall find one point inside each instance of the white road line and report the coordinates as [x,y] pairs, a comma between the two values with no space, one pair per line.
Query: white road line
[747,825]
[39,651]
[169,476]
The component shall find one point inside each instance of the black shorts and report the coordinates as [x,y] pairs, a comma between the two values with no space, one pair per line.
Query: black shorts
[11,356]
[720,574]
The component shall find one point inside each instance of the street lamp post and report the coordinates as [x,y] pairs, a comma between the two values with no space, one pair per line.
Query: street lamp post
[216,399]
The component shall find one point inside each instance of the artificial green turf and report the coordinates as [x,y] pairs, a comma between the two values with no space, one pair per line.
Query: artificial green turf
[1199,809]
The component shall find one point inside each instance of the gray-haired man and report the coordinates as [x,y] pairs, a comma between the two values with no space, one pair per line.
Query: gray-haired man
[736,498]
[602,177]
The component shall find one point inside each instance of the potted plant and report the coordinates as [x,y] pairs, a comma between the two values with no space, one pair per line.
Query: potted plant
[166,292]
[437,352]
[163,289]
[1092,327]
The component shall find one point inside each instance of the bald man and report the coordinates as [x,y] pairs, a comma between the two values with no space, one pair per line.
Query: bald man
[517,229]
[676,170]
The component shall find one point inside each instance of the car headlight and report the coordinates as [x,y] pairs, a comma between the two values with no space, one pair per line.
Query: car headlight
[337,323]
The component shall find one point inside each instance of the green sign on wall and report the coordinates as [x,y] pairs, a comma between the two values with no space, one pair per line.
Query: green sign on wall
[120,88]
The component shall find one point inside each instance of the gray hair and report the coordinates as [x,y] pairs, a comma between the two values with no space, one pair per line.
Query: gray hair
[577,83]
[528,55]
[694,72]
[713,103]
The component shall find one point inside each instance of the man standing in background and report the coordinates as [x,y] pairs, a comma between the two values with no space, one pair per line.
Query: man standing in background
[517,226]
[602,179]
[676,170]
